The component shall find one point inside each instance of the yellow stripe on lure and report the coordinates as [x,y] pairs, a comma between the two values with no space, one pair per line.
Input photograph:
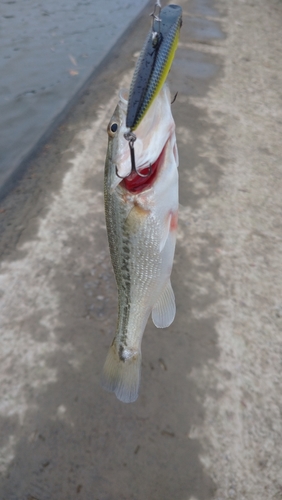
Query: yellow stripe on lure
[153,64]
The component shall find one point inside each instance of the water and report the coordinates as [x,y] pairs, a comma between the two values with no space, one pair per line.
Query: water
[48,50]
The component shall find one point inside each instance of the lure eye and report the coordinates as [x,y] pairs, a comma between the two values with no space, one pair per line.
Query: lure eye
[112,128]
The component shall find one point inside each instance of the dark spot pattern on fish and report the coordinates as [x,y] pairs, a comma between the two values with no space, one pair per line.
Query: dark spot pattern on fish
[124,305]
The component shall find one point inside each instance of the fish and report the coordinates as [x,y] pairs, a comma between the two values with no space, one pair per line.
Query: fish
[154,63]
[141,214]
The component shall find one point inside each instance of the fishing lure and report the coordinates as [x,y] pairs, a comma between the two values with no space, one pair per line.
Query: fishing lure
[152,69]
[154,62]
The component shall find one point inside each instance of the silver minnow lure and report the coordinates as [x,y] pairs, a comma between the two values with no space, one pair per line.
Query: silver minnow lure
[141,219]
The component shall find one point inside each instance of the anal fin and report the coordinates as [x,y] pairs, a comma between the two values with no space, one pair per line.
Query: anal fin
[164,310]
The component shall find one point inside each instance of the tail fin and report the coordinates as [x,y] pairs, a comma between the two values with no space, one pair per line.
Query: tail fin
[122,376]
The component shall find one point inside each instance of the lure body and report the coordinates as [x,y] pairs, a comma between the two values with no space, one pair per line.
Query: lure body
[141,219]
[153,64]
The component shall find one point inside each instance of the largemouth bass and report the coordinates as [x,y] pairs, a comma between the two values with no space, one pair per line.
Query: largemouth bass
[141,220]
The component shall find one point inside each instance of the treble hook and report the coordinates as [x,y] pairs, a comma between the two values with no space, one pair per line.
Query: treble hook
[156,17]
[131,138]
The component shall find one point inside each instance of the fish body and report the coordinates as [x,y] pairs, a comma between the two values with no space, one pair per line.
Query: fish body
[141,219]
[153,63]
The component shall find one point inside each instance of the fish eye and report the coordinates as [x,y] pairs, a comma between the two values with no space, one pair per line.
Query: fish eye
[112,128]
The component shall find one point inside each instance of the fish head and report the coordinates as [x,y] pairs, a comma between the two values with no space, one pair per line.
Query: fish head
[152,134]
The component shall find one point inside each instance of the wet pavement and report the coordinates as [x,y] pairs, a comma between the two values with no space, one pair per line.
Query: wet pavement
[207,423]
[48,52]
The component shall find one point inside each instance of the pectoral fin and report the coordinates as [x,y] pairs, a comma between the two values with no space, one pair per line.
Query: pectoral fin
[163,312]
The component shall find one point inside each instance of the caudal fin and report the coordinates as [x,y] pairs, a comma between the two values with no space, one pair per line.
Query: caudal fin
[122,376]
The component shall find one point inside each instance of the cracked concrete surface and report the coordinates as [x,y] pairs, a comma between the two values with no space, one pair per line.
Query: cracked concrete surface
[207,424]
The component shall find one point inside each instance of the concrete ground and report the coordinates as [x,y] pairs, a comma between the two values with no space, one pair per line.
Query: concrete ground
[207,424]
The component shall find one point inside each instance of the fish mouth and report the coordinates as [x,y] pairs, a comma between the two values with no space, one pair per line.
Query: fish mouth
[136,182]
[154,137]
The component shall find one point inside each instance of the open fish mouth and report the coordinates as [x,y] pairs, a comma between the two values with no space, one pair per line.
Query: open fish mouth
[151,140]
[136,183]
